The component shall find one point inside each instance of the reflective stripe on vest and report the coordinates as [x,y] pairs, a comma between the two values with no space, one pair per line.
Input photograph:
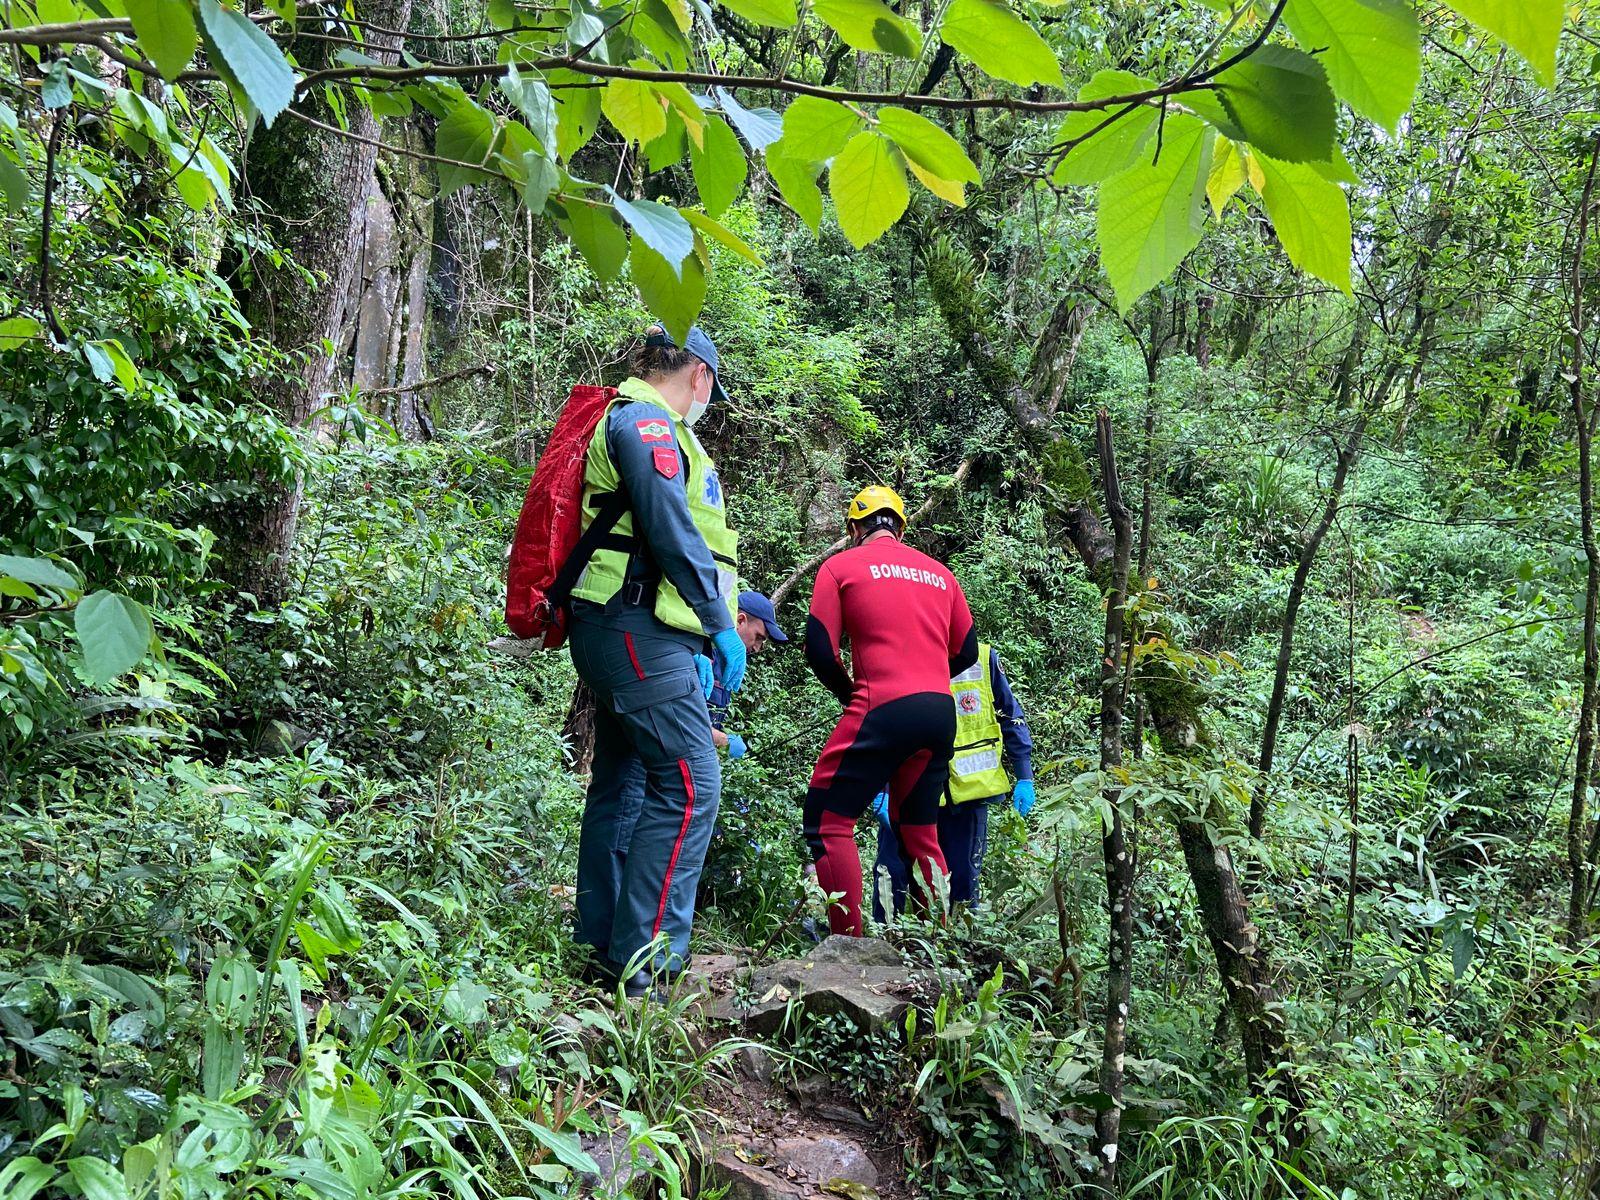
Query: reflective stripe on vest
[976,772]
[607,570]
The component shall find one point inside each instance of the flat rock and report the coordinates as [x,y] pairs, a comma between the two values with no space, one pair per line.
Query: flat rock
[826,1159]
[856,951]
[747,1181]
[828,981]
[755,1063]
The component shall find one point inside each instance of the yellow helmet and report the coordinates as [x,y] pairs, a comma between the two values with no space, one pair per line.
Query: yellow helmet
[875,499]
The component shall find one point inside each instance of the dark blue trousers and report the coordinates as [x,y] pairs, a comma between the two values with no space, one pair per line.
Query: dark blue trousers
[964,839]
[653,794]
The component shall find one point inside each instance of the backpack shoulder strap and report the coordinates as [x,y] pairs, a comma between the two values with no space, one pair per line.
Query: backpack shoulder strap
[607,513]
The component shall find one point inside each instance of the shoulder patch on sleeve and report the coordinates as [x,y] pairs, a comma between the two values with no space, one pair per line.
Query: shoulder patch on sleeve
[666,461]
[654,431]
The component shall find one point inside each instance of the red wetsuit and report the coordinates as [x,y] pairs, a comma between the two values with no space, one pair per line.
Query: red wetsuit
[909,629]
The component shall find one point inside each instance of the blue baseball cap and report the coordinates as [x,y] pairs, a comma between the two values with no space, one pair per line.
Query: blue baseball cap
[703,348]
[754,604]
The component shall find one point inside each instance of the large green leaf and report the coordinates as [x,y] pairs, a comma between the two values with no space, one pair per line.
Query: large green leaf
[166,33]
[1000,42]
[465,135]
[635,108]
[1312,217]
[1370,48]
[534,101]
[15,331]
[25,1177]
[927,145]
[577,112]
[759,126]
[1149,217]
[797,184]
[814,129]
[97,1179]
[662,228]
[599,238]
[114,631]
[1530,27]
[721,233]
[868,185]
[15,189]
[1098,153]
[249,57]
[777,14]
[1280,102]
[40,572]
[870,25]
[673,296]
[1228,173]
[719,165]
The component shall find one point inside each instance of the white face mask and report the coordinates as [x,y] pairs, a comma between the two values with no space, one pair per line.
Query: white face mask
[697,408]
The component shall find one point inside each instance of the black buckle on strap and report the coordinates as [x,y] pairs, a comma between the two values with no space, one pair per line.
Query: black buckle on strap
[633,594]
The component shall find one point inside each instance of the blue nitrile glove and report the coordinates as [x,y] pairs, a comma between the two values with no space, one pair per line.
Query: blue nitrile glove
[880,806]
[702,666]
[1022,797]
[729,648]
[736,746]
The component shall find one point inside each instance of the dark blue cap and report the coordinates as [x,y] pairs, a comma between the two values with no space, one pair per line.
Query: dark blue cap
[754,604]
[703,348]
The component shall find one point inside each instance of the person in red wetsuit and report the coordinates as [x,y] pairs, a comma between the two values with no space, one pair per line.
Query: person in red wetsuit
[909,630]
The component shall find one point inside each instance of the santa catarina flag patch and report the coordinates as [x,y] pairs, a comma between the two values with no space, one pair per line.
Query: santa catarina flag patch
[654,432]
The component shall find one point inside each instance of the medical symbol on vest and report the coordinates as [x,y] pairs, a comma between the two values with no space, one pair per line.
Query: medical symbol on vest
[969,703]
[654,431]
[713,495]
[666,461]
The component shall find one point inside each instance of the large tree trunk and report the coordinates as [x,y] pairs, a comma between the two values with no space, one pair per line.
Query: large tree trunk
[311,184]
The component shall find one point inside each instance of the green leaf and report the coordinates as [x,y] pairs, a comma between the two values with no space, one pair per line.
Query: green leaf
[465,135]
[797,184]
[533,100]
[667,150]
[870,25]
[599,238]
[1312,217]
[719,165]
[775,14]
[868,185]
[1530,27]
[25,1177]
[38,571]
[577,113]
[166,34]
[1228,174]
[249,57]
[1149,217]
[97,1179]
[14,331]
[1371,50]
[108,360]
[633,106]
[1002,44]
[114,631]
[721,233]
[14,185]
[927,145]
[759,126]
[673,296]
[663,228]
[814,129]
[1098,153]
[1280,102]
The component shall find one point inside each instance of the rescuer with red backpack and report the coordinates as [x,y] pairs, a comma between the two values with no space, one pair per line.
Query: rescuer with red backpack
[642,576]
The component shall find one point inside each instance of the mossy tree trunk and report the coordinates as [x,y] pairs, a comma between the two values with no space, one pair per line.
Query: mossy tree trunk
[311,184]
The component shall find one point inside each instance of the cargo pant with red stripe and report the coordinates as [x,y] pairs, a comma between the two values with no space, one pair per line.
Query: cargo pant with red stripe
[639,862]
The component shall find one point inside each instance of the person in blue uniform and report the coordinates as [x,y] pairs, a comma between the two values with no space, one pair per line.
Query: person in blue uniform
[653,623]
[964,827]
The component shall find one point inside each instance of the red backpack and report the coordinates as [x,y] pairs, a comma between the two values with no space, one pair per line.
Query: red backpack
[551,548]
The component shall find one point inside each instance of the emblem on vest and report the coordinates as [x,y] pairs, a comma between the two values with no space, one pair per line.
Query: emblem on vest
[713,493]
[969,703]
